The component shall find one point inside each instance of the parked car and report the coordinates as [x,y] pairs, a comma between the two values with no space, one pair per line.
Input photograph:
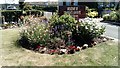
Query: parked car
[11,7]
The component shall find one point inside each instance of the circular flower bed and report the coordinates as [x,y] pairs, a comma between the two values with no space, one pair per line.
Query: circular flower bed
[62,35]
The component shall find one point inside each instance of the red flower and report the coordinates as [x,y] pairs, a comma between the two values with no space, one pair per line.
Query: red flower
[52,51]
[71,47]
[77,49]
[38,46]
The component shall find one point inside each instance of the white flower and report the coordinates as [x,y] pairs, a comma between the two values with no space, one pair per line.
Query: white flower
[91,28]
[88,22]
[45,49]
[39,29]
[63,50]
[85,45]
[44,34]
[104,39]
[46,30]
[37,36]
[78,47]
[40,36]
[29,38]
[34,28]
[107,15]
[25,31]
[28,33]
[32,32]
[86,27]
[96,27]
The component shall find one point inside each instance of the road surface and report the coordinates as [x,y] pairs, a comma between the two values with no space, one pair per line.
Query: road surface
[111,30]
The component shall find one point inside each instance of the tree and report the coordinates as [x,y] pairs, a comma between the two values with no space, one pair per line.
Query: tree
[21,5]
[117,7]
[25,6]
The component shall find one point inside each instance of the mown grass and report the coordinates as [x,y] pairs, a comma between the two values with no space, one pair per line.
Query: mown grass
[104,54]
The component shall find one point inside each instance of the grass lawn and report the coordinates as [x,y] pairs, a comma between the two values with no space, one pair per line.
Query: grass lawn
[104,54]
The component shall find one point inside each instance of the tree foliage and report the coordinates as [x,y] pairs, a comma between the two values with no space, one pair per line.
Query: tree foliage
[25,6]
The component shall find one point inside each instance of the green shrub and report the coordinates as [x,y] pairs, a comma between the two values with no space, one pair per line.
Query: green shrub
[62,32]
[11,15]
[113,16]
[36,34]
[92,14]
[86,32]
[66,28]
[106,17]
[61,25]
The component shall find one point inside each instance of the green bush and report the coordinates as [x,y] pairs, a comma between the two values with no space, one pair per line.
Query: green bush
[36,34]
[60,25]
[106,17]
[11,15]
[92,14]
[86,32]
[113,16]
[61,33]
[65,27]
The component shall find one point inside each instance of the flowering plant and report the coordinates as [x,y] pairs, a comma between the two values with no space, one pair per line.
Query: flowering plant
[86,32]
[62,26]
[92,14]
[36,34]
[61,35]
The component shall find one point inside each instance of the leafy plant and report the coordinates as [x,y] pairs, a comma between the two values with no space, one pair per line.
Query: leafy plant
[62,25]
[113,16]
[106,17]
[25,6]
[86,32]
[36,34]
[92,14]
[63,34]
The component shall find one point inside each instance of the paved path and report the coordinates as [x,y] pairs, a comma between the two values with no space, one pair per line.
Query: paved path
[111,30]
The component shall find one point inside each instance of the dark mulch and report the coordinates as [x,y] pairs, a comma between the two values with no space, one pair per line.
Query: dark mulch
[71,49]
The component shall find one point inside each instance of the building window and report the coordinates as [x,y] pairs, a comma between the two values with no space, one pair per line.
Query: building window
[67,3]
[60,3]
[64,3]
[75,3]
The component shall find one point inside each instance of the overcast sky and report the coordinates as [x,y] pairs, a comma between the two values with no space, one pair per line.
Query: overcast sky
[17,1]
[9,1]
